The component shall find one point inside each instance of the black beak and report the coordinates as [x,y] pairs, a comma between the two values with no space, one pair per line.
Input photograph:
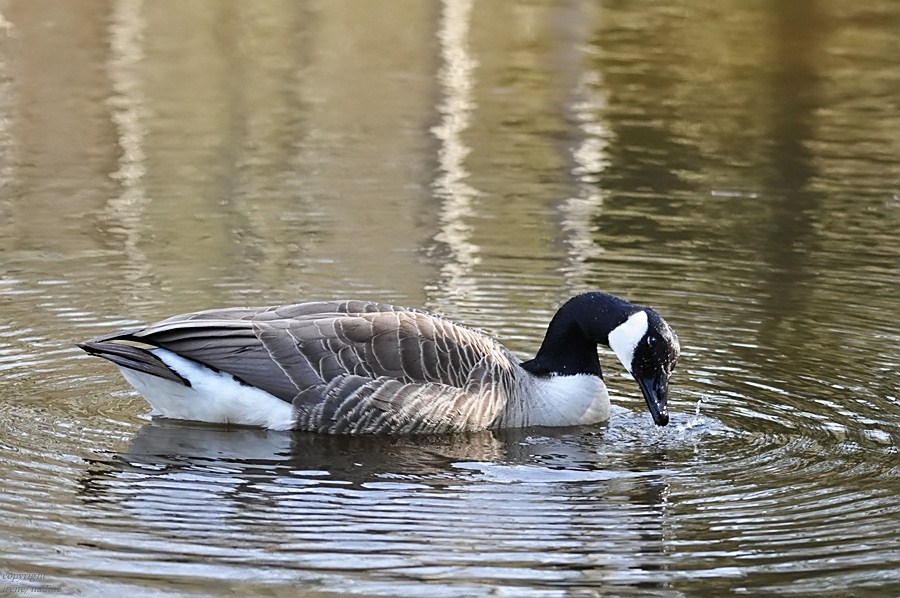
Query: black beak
[656,392]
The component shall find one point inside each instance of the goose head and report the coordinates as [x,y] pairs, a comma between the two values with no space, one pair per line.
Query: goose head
[642,341]
[648,349]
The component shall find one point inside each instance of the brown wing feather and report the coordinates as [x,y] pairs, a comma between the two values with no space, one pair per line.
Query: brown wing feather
[349,366]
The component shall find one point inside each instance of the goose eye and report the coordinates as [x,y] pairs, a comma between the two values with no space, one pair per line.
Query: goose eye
[652,340]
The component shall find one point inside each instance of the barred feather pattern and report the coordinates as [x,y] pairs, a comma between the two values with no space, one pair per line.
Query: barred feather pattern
[353,367]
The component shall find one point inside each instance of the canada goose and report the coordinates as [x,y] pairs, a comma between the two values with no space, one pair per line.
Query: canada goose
[354,367]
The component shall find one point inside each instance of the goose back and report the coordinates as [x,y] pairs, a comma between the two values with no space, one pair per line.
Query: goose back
[349,366]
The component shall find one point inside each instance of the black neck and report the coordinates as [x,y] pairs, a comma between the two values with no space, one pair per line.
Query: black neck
[570,345]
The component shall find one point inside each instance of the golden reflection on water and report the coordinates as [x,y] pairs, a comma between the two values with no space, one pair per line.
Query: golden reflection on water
[274,132]
[451,186]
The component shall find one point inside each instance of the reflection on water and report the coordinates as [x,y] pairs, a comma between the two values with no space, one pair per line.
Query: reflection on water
[733,165]
[451,187]
[410,508]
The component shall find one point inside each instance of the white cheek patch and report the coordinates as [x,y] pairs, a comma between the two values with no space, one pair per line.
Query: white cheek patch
[625,337]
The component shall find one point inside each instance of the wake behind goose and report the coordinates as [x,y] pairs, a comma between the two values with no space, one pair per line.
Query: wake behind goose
[356,367]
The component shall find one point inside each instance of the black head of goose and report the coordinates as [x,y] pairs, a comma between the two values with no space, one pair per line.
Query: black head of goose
[360,367]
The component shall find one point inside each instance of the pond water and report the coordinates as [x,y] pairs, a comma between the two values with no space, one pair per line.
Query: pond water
[735,165]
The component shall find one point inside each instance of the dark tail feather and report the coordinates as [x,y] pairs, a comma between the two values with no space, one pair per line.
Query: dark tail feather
[133,358]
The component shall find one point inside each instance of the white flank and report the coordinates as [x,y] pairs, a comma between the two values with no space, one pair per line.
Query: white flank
[568,401]
[625,337]
[214,397]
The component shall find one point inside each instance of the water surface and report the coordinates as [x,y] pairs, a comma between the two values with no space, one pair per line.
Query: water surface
[734,166]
